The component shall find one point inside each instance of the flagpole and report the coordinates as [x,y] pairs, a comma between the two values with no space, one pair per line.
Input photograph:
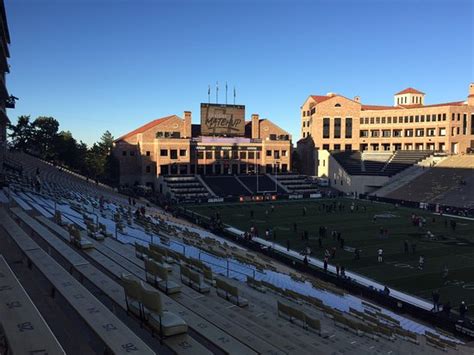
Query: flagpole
[209,94]
[217,92]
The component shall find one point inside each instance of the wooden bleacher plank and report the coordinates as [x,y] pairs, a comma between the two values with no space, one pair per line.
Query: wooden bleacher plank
[182,344]
[216,305]
[116,335]
[21,239]
[25,329]
[115,264]
[69,254]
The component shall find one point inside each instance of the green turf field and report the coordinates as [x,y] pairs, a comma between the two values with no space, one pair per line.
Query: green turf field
[453,248]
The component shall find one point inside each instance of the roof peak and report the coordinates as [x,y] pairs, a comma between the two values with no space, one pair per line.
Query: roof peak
[410,90]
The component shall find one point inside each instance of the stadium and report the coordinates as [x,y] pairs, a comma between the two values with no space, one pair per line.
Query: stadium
[222,237]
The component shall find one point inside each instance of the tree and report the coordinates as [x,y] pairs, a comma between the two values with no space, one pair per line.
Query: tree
[45,130]
[21,134]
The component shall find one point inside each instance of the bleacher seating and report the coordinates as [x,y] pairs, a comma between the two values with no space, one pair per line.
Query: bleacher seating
[225,186]
[448,183]
[215,322]
[379,163]
[264,184]
[186,187]
[296,183]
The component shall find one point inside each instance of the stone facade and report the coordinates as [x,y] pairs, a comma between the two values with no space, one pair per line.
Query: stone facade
[174,146]
[334,122]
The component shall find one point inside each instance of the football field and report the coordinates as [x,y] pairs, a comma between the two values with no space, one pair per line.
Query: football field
[369,226]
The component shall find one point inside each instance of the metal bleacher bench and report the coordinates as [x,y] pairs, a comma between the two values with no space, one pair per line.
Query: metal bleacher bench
[117,337]
[25,329]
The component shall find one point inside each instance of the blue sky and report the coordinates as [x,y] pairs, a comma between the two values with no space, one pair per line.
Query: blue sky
[117,64]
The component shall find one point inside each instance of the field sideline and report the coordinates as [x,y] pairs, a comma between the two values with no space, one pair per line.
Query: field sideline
[453,248]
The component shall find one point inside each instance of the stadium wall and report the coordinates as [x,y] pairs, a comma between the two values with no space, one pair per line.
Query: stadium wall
[328,167]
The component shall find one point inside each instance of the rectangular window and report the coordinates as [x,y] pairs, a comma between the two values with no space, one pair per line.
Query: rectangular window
[408,133]
[326,146]
[406,119]
[374,133]
[459,117]
[163,152]
[147,153]
[386,133]
[395,120]
[377,120]
[420,132]
[472,124]
[304,113]
[442,132]
[439,117]
[218,154]
[348,133]
[430,132]
[422,119]
[209,154]
[273,137]
[269,153]
[458,130]
[182,152]
[326,129]
[411,119]
[174,154]
[444,117]
[397,132]
[364,133]
[417,118]
[313,110]
[371,120]
[235,154]
[200,154]
[337,147]
[337,127]
[251,155]
[383,119]
[243,155]
[283,153]
[464,124]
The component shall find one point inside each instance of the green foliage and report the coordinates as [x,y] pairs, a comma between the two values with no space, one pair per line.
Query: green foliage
[21,134]
[43,138]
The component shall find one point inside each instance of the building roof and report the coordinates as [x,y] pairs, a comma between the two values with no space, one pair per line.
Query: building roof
[145,127]
[321,98]
[409,91]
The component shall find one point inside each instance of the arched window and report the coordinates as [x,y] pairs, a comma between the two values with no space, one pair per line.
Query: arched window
[337,105]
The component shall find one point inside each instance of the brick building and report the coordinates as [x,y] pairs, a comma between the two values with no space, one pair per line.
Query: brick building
[334,122]
[4,97]
[223,144]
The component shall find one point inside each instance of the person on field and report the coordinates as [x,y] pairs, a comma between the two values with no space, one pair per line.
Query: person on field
[380,255]
[435,295]
[421,262]
[325,264]
[462,310]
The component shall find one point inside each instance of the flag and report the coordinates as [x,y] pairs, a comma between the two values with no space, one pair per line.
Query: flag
[209,90]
